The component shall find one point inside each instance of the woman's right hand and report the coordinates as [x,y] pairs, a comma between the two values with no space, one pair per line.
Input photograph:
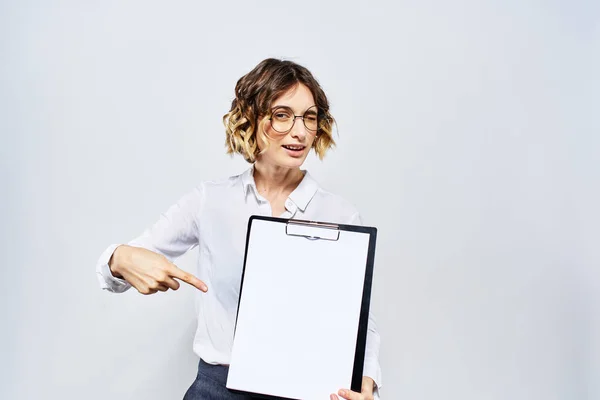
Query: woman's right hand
[148,271]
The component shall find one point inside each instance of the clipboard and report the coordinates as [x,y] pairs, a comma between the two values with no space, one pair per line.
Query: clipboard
[303,310]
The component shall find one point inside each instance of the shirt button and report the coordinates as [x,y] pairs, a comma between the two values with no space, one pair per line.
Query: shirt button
[289,204]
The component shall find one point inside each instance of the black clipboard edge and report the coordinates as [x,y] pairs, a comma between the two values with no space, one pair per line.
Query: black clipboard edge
[361,340]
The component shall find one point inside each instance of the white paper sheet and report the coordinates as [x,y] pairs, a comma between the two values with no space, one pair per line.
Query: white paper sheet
[299,312]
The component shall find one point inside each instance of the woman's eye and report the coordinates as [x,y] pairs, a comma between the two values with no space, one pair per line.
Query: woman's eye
[311,118]
[282,115]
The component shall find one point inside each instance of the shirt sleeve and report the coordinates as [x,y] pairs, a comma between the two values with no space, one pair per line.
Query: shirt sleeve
[175,232]
[371,367]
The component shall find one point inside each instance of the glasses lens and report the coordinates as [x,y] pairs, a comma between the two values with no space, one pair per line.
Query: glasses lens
[311,121]
[282,119]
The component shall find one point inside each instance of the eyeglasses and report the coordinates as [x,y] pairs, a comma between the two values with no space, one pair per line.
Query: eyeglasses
[283,119]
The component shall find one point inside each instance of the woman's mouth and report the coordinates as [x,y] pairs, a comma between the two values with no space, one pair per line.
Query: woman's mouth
[294,150]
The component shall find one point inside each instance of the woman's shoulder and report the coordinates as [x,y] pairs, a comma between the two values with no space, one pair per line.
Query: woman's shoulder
[336,200]
[334,207]
[221,183]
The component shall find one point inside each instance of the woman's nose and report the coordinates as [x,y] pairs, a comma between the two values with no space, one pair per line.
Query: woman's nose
[298,130]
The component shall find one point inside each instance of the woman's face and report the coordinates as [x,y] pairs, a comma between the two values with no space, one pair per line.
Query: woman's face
[289,149]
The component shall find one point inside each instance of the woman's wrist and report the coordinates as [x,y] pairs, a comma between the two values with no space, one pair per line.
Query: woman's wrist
[115,262]
[368,384]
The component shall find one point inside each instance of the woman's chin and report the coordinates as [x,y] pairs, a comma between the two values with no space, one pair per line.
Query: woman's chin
[294,162]
[284,161]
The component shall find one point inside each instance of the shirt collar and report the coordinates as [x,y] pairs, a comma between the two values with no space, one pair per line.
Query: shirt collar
[301,196]
[248,180]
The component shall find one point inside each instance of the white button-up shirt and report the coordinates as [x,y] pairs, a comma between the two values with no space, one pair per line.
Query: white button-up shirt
[214,217]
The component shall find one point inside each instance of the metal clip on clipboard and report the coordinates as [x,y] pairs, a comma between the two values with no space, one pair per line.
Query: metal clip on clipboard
[312,230]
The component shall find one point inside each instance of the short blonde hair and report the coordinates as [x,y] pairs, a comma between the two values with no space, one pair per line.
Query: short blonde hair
[254,94]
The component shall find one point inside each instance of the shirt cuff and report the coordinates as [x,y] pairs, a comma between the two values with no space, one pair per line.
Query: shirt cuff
[106,279]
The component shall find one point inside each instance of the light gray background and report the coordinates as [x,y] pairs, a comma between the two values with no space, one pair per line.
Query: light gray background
[466,136]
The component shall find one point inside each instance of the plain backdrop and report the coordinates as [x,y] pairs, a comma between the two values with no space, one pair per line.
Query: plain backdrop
[467,133]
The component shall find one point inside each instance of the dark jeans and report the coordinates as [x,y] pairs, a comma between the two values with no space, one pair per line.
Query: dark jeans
[210,384]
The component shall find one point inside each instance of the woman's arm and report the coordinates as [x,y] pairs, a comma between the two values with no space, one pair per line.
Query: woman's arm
[146,262]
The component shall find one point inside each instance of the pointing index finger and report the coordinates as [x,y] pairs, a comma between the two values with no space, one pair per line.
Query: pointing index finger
[184,276]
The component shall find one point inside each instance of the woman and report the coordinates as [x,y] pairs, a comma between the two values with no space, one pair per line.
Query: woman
[263,127]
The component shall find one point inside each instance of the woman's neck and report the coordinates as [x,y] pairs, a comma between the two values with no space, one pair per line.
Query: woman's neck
[273,180]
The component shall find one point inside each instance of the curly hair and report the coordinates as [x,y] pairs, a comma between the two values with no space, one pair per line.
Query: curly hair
[254,94]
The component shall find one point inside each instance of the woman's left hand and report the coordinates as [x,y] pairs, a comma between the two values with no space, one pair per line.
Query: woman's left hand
[365,394]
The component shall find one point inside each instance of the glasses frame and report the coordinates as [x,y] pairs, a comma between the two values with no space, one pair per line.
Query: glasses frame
[294,116]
